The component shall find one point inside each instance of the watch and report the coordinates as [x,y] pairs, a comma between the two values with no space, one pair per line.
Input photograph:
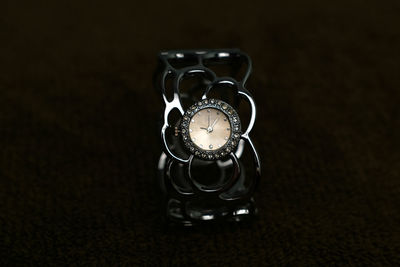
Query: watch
[209,168]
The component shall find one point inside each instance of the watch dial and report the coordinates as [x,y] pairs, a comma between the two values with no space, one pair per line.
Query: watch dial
[209,129]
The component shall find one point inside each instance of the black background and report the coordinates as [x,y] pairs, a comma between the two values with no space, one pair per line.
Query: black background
[78,139]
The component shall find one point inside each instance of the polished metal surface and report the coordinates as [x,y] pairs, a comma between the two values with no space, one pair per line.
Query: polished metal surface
[188,200]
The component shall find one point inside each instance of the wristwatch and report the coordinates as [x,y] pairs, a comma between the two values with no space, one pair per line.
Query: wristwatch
[209,168]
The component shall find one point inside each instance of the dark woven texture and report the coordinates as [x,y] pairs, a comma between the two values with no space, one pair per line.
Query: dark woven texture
[78,139]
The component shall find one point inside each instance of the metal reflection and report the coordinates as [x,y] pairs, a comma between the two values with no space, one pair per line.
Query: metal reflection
[232,197]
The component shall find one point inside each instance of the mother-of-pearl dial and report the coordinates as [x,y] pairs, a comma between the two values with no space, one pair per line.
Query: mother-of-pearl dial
[209,129]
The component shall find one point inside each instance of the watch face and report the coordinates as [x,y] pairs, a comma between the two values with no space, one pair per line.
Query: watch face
[211,129]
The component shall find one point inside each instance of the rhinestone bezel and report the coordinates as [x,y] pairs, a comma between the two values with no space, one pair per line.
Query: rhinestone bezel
[233,139]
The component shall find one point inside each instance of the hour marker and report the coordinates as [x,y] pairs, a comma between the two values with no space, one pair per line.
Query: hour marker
[208,110]
[219,145]
[194,138]
[210,146]
[226,138]
[227,129]
[201,145]
[192,120]
[224,119]
[217,113]
[190,130]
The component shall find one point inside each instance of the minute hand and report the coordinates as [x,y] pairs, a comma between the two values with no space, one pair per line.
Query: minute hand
[214,122]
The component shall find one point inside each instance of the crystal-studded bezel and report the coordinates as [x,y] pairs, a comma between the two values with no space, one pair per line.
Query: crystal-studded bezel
[233,139]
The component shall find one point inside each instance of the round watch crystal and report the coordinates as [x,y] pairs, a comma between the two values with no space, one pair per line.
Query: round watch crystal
[209,129]
[212,128]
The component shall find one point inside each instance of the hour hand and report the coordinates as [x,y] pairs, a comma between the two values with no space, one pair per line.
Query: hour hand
[204,128]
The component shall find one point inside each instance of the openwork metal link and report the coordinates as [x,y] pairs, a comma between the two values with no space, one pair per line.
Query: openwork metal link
[231,198]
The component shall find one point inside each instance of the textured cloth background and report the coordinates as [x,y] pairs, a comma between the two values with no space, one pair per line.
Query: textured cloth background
[79,143]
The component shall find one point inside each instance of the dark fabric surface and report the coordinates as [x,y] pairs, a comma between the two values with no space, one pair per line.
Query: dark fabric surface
[79,146]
